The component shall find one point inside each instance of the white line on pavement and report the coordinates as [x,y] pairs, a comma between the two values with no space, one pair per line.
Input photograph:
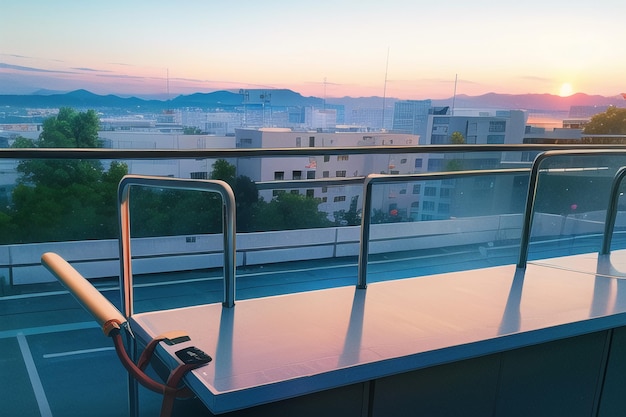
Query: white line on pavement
[76,352]
[35,381]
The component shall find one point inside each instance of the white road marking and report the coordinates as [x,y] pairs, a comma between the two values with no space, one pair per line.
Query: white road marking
[55,328]
[35,381]
[77,352]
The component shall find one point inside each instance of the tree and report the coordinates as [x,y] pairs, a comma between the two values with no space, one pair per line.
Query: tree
[610,122]
[225,171]
[245,190]
[455,164]
[247,201]
[457,138]
[191,130]
[291,211]
[65,199]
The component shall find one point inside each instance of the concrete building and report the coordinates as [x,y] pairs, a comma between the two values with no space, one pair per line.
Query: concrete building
[445,199]
[335,198]
[185,168]
[411,116]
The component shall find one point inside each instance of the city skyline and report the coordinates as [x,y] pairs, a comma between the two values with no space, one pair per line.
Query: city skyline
[399,49]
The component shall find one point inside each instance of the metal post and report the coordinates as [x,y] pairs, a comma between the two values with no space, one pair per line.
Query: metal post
[611,211]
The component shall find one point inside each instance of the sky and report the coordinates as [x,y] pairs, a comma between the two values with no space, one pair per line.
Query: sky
[393,48]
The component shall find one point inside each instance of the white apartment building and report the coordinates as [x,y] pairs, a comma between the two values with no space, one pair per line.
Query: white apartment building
[441,199]
[182,168]
[334,198]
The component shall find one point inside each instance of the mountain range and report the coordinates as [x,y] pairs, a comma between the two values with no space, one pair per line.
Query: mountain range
[284,98]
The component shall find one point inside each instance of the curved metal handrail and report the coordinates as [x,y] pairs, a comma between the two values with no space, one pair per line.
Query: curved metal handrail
[529,211]
[108,153]
[611,211]
[372,179]
[229,228]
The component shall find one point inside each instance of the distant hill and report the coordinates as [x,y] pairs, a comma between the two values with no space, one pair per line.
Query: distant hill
[77,99]
[86,99]
[284,98]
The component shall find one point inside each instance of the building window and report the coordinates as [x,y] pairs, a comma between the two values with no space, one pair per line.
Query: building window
[324,189]
[325,174]
[444,208]
[403,161]
[439,139]
[343,157]
[326,158]
[276,193]
[495,138]
[428,205]
[199,175]
[444,192]
[499,126]
[430,191]
[310,175]
[340,173]
[296,192]
[245,142]
[418,163]
[339,198]
[310,193]
[296,175]
[279,175]
[435,165]
[324,199]
[298,142]
[403,191]
[417,188]
[311,141]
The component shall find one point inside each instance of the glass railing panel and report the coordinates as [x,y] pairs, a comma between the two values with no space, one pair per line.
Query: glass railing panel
[459,222]
[571,204]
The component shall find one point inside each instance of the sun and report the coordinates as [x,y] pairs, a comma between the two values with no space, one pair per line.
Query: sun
[566,90]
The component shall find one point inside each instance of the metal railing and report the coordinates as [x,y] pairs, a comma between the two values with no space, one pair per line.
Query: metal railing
[229,227]
[533,183]
[108,154]
[139,154]
[611,211]
[372,179]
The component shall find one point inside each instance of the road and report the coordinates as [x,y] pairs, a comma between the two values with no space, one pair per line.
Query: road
[55,361]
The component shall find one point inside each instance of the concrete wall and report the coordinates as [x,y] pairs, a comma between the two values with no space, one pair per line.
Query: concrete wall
[20,264]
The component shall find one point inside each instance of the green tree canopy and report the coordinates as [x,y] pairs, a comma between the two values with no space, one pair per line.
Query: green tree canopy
[64,199]
[610,122]
[457,138]
[225,171]
[291,211]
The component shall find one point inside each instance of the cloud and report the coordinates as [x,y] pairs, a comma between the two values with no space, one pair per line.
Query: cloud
[16,56]
[32,69]
[90,69]
[123,76]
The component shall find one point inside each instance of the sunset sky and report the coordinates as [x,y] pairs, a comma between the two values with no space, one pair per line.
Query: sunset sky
[321,48]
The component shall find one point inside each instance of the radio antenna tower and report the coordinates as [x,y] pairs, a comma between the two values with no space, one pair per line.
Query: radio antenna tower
[385,90]
[454,95]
